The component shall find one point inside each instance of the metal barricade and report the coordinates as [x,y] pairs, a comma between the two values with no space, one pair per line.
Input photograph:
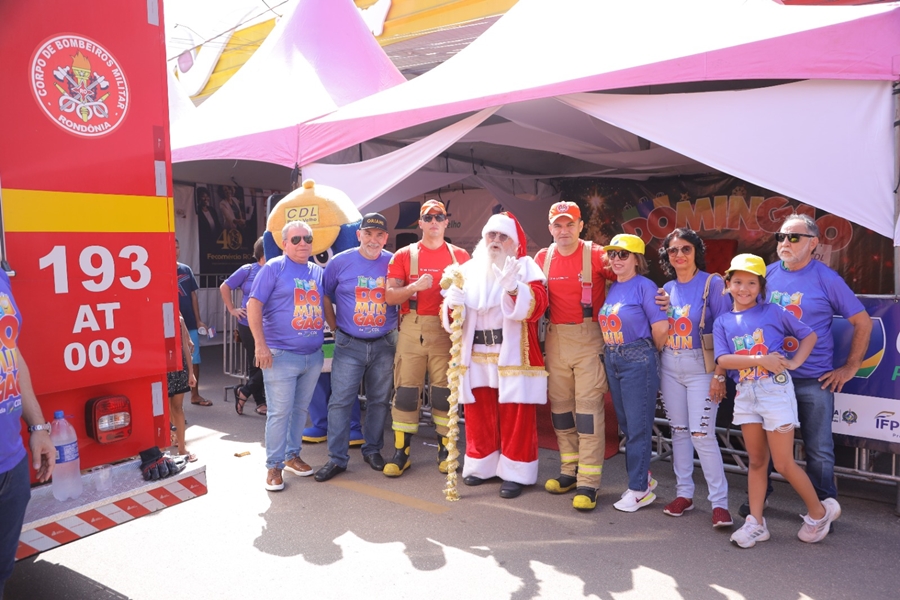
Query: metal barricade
[734,454]
[234,354]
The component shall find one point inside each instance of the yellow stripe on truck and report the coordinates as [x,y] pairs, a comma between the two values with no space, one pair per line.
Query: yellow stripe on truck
[40,211]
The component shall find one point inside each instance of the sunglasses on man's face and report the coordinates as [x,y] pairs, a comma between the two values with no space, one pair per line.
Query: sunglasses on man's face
[791,237]
[438,218]
[620,254]
[496,235]
[298,238]
[673,250]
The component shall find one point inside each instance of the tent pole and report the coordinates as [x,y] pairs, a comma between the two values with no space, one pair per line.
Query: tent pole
[896,93]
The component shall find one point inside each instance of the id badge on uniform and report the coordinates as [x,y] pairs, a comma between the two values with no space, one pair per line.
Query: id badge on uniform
[781,378]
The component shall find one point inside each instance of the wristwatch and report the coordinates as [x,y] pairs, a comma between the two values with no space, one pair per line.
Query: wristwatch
[720,378]
[42,427]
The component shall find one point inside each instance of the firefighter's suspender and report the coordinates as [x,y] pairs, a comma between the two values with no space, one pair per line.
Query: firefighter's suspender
[414,266]
[587,281]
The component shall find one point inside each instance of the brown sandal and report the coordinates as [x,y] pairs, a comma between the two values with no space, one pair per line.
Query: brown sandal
[262,409]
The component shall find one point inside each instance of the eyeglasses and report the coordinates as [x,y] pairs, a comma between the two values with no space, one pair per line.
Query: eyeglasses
[298,238]
[438,218]
[791,237]
[686,250]
[500,237]
[620,254]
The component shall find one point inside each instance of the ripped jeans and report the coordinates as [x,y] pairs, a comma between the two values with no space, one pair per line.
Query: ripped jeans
[692,417]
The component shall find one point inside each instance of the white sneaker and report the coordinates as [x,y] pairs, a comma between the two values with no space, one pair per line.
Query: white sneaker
[750,533]
[651,484]
[814,531]
[632,500]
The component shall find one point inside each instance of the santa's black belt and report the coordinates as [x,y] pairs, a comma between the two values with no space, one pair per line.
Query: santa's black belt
[488,337]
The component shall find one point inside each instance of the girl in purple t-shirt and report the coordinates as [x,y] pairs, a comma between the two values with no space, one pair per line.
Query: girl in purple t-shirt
[765,406]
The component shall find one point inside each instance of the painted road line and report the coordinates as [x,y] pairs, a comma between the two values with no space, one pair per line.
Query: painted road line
[375,492]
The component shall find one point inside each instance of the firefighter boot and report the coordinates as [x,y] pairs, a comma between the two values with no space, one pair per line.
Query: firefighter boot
[400,461]
[443,454]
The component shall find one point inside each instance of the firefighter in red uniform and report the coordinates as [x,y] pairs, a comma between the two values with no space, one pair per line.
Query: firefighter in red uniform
[423,346]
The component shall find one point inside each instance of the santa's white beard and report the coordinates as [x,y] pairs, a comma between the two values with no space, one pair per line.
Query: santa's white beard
[486,255]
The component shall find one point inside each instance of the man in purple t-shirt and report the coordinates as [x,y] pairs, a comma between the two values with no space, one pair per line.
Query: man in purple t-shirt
[286,318]
[814,293]
[365,340]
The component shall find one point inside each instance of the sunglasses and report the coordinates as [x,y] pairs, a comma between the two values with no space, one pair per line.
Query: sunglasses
[298,238]
[500,237]
[791,237]
[620,254]
[438,218]
[686,250]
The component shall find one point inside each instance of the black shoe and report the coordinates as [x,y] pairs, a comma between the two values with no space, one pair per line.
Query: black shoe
[376,461]
[472,480]
[328,471]
[510,489]
[744,509]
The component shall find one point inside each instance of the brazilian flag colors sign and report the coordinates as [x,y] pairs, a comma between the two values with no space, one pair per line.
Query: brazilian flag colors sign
[867,411]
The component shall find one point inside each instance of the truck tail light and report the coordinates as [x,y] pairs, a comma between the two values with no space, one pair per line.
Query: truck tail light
[108,418]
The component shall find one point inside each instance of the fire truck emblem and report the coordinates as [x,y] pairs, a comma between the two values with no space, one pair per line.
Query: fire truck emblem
[79,85]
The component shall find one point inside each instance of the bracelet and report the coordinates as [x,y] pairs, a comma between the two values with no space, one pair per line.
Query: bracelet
[41,427]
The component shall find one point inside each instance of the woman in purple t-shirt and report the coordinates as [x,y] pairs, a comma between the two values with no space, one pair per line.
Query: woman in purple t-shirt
[634,329]
[765,406]
[244,278]
[691,396]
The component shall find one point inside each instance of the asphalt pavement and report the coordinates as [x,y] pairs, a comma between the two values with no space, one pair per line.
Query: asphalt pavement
[363,535]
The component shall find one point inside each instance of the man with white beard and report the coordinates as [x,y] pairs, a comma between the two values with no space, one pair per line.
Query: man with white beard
[503,370]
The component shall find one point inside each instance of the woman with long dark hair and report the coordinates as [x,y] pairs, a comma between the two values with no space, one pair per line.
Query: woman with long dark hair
[691,396]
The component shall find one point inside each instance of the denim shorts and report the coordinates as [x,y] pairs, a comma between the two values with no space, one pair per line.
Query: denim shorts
[767,401]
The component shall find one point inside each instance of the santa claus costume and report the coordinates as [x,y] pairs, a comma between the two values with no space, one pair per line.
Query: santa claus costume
[503,375]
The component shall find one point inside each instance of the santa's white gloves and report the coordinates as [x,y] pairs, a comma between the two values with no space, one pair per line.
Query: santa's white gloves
[508,278]
[454,296]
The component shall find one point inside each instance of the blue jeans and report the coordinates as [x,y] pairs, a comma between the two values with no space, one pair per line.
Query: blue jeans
[633,373]
[289,388]
[357,360]
[815,408]
[15,492]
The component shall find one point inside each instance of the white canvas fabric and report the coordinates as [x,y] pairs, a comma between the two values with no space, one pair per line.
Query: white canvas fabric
[836,155]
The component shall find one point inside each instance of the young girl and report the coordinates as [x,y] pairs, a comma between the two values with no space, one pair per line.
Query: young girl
[765,406]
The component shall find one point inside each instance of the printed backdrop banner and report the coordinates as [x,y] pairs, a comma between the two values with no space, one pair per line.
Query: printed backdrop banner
[867,411]
[227,225]
[732,216]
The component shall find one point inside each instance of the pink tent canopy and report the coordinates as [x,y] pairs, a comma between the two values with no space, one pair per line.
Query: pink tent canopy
[320,56]
[826,139]
[541,49]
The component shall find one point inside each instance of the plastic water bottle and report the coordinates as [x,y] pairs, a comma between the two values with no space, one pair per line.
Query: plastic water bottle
[66,481]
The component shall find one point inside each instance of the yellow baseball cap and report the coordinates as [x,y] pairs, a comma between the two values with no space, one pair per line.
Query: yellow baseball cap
[626,241]
[748,262]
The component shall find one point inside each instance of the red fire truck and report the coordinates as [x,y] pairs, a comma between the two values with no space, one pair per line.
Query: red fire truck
[88,242]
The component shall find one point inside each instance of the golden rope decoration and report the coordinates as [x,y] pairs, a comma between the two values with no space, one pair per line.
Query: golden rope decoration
[455,371]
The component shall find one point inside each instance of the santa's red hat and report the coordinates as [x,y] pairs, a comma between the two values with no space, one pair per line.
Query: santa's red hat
[506,223]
